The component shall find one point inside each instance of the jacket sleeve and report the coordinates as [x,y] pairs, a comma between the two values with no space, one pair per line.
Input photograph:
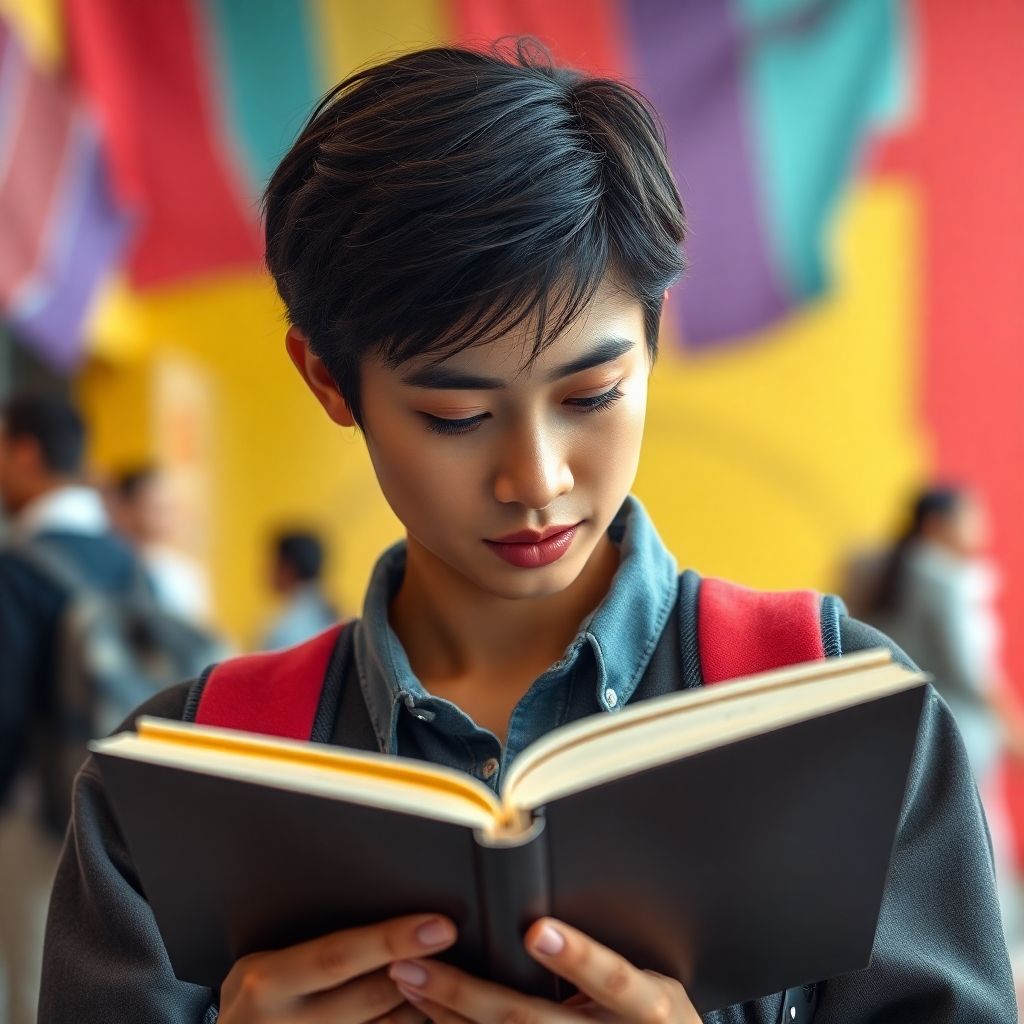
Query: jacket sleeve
[104,959]
[939,953]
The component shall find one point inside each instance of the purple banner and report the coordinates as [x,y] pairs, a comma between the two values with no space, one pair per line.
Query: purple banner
[86,235]
[690,70]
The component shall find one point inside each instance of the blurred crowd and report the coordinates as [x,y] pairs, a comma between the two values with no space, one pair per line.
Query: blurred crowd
[99,610]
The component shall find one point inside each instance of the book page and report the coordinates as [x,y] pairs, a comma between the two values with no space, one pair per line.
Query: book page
[377,780]
[665,728]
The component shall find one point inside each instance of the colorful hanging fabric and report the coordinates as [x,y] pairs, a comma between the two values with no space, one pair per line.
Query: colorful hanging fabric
[145,68]
[62,230]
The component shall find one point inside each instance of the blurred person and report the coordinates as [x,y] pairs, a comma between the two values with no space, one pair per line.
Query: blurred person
[142,512]
[934,592]
[473,249]
[83,640]
[42,446]
[298,559]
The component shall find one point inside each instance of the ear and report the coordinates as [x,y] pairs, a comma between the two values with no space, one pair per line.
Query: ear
[317,378]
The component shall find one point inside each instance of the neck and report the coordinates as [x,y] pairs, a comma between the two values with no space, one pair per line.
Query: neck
[39,488]
[452,631]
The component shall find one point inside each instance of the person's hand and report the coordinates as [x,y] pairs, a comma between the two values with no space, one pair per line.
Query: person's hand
[610,988]
[341,978]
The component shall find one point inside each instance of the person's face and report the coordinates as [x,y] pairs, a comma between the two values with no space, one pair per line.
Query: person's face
[964,531]
[969,527]
[476,448]
[5,471]
[152,511]
[282,575]
[19,469]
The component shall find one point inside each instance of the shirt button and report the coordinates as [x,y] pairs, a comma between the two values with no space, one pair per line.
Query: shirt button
[611,698]
[490,767]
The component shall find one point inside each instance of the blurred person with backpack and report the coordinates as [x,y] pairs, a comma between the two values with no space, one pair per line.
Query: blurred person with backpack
[142,512]
[298,558]
[934,592]
[82,640]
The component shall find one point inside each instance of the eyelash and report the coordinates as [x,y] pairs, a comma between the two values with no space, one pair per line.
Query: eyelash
[597,403]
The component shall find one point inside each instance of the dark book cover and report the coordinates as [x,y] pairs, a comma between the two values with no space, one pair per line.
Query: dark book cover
[741,870]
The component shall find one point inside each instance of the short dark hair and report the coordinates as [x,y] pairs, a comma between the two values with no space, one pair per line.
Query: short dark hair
[931,504]
[449,195]
[54,423]
[130,481]
[302,551]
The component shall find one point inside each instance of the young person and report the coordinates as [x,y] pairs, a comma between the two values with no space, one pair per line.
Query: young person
[143,511]
[296,577]
[50,508]
[473,250]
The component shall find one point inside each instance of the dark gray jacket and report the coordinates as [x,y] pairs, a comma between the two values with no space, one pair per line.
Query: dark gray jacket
[939,954]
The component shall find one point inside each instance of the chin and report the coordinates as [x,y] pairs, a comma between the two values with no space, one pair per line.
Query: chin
[518,584]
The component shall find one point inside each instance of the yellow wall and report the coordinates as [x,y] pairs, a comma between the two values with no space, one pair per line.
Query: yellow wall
[765,461]
[762,461]
[273,456]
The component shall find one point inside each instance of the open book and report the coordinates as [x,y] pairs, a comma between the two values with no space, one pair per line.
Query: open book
[736,837]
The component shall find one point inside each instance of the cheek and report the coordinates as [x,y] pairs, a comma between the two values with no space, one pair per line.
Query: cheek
[609,450]
[420,474]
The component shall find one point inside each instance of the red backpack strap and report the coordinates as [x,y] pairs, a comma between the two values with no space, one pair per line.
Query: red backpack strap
[742,631]
[276,693]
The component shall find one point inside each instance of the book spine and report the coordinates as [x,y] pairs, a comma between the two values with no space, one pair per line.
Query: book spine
[514,891]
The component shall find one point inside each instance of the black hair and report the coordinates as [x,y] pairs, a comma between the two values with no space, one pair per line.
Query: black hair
[302,552]
[935,503]
[54,423]
[445,197]
[129,482]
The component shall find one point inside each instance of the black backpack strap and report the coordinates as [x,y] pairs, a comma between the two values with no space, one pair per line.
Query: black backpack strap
[350,717]
[832,610]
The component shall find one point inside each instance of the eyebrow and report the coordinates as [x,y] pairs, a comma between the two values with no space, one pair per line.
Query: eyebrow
[445,378]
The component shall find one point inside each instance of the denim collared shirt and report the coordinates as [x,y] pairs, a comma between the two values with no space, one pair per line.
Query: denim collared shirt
[599,671]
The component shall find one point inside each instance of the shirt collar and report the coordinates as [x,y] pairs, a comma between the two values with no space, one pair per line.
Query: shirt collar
[624,628]
[64,510]
[622,631]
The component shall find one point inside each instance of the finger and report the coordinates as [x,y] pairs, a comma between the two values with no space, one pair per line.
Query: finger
[332,960]
[580,999]
[367,998]
[407,1013]
[435,1012]
[608,979]
[431,982]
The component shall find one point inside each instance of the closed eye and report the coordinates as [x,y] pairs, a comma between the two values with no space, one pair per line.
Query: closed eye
[441,425]
[597,402]
[593,403]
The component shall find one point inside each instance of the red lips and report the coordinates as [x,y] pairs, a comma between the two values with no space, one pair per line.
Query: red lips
[532,549]
[533,536]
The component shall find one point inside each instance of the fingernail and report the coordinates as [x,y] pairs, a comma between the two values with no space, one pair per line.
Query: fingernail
[549,941]
[413,997]
[435,932]
[406,973]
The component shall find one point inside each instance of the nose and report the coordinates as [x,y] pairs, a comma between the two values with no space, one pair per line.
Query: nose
[534,470]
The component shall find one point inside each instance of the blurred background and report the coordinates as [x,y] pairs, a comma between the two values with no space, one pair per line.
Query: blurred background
[849,332]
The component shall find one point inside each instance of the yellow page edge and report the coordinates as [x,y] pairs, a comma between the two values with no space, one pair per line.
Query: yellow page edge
[393,769]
